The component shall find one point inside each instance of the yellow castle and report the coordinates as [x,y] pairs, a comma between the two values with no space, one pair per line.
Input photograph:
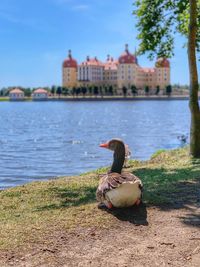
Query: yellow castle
[123,72]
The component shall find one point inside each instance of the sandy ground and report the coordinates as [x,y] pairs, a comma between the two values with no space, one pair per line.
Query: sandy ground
[142,236]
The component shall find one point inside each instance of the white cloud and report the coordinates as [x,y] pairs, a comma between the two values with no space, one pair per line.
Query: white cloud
[62,1]
[80,7]
[76,5]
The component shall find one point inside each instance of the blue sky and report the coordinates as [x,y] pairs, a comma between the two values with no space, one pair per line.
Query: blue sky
[36,35]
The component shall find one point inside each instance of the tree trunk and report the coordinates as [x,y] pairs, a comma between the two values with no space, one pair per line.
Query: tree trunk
[194,105]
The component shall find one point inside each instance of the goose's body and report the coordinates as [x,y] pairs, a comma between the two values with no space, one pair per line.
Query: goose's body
[120,190]
[116,188]
[124,196]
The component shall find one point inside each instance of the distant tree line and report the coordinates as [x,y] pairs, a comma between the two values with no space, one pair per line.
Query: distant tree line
[101,91]
[98,91]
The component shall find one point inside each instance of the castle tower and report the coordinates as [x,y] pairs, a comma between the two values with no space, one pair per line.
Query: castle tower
[127,69]
[69,71]
[162,69]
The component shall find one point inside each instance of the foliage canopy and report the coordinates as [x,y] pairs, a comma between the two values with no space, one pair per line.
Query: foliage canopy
[159,22]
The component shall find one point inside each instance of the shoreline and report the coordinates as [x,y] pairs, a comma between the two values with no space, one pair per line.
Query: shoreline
[105,98]
[137,98]
[96,171]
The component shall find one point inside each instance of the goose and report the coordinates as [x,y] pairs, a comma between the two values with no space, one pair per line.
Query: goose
[127,156]
[183,138]
[116,188]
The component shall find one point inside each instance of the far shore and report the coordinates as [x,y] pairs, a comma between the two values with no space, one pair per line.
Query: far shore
[104,98]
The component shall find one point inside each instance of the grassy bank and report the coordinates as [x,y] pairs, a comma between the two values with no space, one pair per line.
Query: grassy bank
[8,99]
[4,99]
[30,213]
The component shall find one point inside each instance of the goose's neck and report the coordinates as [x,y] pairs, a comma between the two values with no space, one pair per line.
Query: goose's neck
[118,158]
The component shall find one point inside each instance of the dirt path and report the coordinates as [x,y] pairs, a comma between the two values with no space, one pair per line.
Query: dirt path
[144,237]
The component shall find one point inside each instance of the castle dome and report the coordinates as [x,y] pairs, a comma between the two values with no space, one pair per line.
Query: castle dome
[162,63]
[70,62]
[127,57]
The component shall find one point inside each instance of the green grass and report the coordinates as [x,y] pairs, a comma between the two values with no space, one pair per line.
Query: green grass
[28,213]
[8,99]
[4,99]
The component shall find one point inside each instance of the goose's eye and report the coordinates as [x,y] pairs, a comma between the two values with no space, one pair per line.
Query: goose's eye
[112,146]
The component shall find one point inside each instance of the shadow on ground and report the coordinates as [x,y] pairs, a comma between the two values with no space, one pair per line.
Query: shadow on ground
[163,188]
[136,215]
[174,189]
[70,197]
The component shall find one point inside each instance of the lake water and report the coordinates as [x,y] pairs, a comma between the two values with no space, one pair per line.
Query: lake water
[41,140]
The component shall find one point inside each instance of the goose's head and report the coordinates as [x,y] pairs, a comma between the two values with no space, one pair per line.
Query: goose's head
[113,144]
[118,147]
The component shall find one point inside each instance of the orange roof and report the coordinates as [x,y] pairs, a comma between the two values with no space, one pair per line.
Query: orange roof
[111,64]
[148,70]
[70,62]
[40,91]
[16,91]
[92,62]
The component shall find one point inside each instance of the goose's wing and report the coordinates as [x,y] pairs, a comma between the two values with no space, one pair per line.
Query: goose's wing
[131,178]
[107,182]
[114,180]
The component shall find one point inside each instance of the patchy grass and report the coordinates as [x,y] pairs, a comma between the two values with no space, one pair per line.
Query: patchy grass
[157,153]
[31,212]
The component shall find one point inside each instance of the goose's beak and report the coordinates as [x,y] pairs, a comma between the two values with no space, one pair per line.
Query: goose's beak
[104,145]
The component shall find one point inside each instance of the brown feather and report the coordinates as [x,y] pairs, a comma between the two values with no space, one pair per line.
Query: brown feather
[114,180]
